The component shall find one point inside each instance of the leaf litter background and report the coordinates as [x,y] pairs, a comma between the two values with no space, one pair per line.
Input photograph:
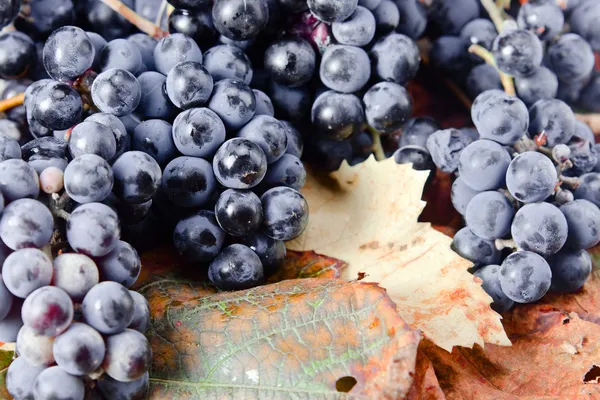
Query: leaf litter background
[320,337]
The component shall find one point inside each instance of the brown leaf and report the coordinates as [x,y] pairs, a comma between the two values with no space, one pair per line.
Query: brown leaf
[304,338]
[367,216]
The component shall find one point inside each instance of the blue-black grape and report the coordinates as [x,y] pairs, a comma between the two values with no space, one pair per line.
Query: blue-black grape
[128,356]
[116,92]
[357,30]
[525,277]
[79,350]
[285,213]
[553,119]
[121,265]
[583,220]
[295,141]
[270,251]
[481,32]
[490,276]
[55,383]
[239,19]
[489,215]
[115,390]
[145,44]
[588,189]
[154,101]
[583,157]
[198,132]
[290,61]
[413,18]
[396,58]
[584,132]
[482,77]
[108,308]
[387,16]
[584,22]
[93,229]
[328,154]
[68,53]
[287,171]
[448,54]
[332,10]
[105,21]
[540,227]
[9,11]
[571,58]
[500,117]
[173,49]
[122,54]
[517,52]
[20,378]
[48,311]
[234,103]
[137,177]
[240,164]
[450,16]
[188,181]
[75,273]
[570,270]
[189,84]
[445,147]
[264,105]
[122,139]
[461,194]
[475,249]
[141,313]
[337,115]
[542,17]
[238,212]
[387,105]
[56,106]
[196,24]
[541,84]
[269,134]
[91,137]
[9,148]
[88,178]
[483,164]
[26,270]
[26,223]
[17,54]
[290,103]
[418,156]
[228,62]
[531,177]
[237,267]
[198,237]
[154,137]
[344,68]
[415,131]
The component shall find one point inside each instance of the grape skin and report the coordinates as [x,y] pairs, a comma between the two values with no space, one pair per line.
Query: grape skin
[35,349]
[541,84]
[525,277]
[387,105]
[51,180]
[137,177]
[491,284]
[583,220]
[540,227]
[122,265]
[154,101]
[544,18]
[172,50]
[589,188]
[238,212]
[445,147]
[128,356]
[6,300]
[270,251]
[475,249]
[461,194]
[571,58]
[121,53]
[554,118]
[115,390]
[227,62]
[155,137]
[189,84]
[269,134]
[68,53]
[295,141]
[237,267]
[482,165]
[198,132]
[356,30]
[332,10]
[188,181]
[290,61]
[79,350]
[20,378]
[239,164]
[396,58]
[337,115]
[54,383]
[18,180]
[75,273]
[531,177]
[285,213]
[518,52]
[26,223]
[122,139]
[141,313]
[198,237]
[234,102]
[93,229]
[26,270]
[88,178]
[500,117]
[264,105]
[570,270]
[344,68]
[116,91]
[489,215]
[108,308]
[287,171]
[48,311]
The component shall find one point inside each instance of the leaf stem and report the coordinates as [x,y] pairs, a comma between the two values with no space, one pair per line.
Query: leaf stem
[495,12]
[486,55]
[12,102]
[377,146]
[141,23]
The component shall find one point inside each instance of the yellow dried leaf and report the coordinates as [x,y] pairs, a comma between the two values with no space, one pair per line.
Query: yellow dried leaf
[367,216]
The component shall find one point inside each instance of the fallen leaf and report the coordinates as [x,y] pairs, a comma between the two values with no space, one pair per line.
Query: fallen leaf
[367,216]
[6,356]
[308,338]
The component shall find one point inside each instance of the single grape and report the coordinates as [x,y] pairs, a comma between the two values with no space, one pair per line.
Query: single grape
[128,356]
[51,180]
[237,267]
[483,165]
[9,148]
[68,53]
[154,137]
[479,31]
[197,24]
[396,58]
[490,276]
[588,189]
[337,115]
[387,16]
[583,157]
[584,22]
[344,68]
[55,383]
[475,249]
[285,213]
[198,132]
[88,178]
[387,105]
[500,117]
[418,156]
[75,273]
[154,101]
[239,19]
[121,265]
[48,311]
[35,349]
[445,147]
[26,270]
[137,177]
[188,181]
[269,134]
[415,131]
[461,194]
[264,105]
[451,15]
[189,84]
[238,212]
[583,220]
[356,30]
[552,119]
[122,54]
[239,164]
[79,350]
[295,141]
[228,62]
[146,45]
[290,61]
[413,18]
[20,378]
[141,313]
[287,171]
[108,308]
[8,12]
[481,78]
[531,177]
[525,277]
[93,229]
[173,49]
[570,270]
[115,390]
[489,215]
[541,84]
[6,299]
[332,10]
[122,139]
[234,103]
[540,227]
[571,58]
[98,42]
[116,91]
[198,237]
[26,223]
[517,52]
[543,18]
[56,106]
[94,138]
[18,180]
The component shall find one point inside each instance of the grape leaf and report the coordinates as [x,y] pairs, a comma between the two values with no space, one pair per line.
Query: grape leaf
[367,216]
[308,338]
[6,356]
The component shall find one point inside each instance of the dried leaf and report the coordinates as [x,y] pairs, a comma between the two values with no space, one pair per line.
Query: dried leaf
[367,216]
[294,339]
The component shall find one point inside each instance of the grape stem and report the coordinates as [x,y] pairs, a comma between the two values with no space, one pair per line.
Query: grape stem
[377,146]
[495,12]
[12,102]
[502,244]
[507,81]
[572,182]
[141,23]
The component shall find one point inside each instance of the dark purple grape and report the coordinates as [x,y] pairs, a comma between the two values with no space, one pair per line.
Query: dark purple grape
[584,22]
[337,115]
[541,84]
[358,29]
[490,275]
[290,61]
[285,213]
[418,156]
[451,15]
[475,249]
[188,181]
[9,148]
[173,49]
[295,141]
[128,356]
[413,18]
[141,313]
[68,53]
[583,220]
[481,32]
[17,54]
[553,119]
[94,138]
[540,227]
[290,103]
[103,20]
[108,308]
[238,212]
[332,10]
[9,11]
[239,164]
[121,265]
[122,54]
[396,58]
[122,139]
[48,311]
[329,154]
[270,251]
[154,101]
[196,24]
[287,171]
[98,42]
[115,390]
[525,277]
[26,223]
[154,137]
[189,84]
[415,131]
[345,69]
[500,117]
[198,237]
[517,52]
[18,180]
[55,383]
[93,229]
[483,77]
[146,45]
[483,165]
[6,299]
[56,106]
[387,105]
[234,102]
[237,267]
[589,188]
[531,177]
[269,133]
[542,17]
[228,62]
[116,92]
[570,270]
[264,105]
[79,350]
[137,177]
[198,132]
[239,19]
[387,16]
[571,58]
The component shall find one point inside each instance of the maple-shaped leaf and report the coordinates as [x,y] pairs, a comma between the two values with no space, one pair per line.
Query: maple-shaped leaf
[302,338]
[366,215]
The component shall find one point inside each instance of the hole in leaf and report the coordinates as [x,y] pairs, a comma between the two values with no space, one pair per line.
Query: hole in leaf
[592,375]
[345,384]
[566,320]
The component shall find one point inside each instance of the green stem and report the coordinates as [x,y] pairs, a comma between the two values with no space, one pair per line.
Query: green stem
[496,14]
[507,80]
[377,146]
